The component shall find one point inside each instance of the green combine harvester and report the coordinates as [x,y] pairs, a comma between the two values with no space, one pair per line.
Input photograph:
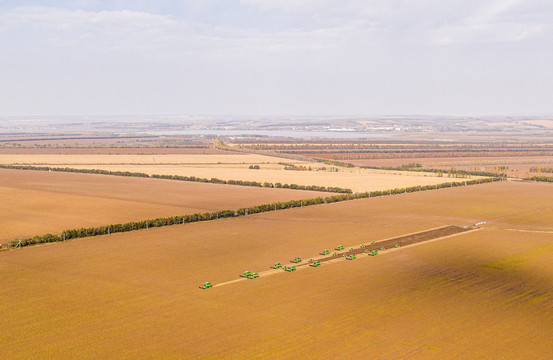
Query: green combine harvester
[253,275]
[325,252]
[245,274]
[340,247]
[296,260]
[276,266]
[206,285]
[373,253]
[289,268]
[315,263]
[351,257]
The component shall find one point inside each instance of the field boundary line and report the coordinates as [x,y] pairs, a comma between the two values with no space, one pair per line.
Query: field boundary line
[216,215]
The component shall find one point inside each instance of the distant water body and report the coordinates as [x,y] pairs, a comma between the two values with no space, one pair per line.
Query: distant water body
[278,133]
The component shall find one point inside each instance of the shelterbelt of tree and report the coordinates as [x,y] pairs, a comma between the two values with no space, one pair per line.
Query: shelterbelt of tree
[332,189]
[183,219]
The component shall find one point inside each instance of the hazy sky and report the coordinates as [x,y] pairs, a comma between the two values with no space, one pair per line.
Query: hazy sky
[276,57]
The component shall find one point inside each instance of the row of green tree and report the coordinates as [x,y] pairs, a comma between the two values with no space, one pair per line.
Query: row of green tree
[183,178]
[540,178]
[255,183]
[66,169]
[117,228]
[451,172]
[145,224]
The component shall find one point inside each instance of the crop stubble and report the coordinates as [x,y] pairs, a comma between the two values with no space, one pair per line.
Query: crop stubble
[39,202]
[480,294]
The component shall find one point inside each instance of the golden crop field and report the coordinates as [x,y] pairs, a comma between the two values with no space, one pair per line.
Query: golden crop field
[235,167]
[39,202]
[360,181]
[484,293]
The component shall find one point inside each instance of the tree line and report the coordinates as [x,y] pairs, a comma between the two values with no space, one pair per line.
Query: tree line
[182,178]
[540,178]
[174,220]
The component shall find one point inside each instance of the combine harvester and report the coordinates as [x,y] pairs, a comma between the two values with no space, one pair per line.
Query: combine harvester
[289,268]
[249,275]
[325,252]
[351,257]
[340,247]
[245,274]
[315,263]
[206,285]
[276,266]
[296,260]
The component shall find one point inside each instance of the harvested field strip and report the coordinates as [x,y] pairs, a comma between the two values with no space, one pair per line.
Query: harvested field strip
[403,241]
[388,244]
[174,220]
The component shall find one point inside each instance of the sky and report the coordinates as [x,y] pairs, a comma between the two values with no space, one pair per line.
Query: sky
[276,57]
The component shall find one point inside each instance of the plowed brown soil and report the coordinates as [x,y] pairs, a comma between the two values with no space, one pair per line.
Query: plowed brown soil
[484,294]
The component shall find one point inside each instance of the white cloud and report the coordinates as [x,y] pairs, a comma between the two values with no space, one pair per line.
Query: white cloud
[109,29]
[493,21]
[273,56]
